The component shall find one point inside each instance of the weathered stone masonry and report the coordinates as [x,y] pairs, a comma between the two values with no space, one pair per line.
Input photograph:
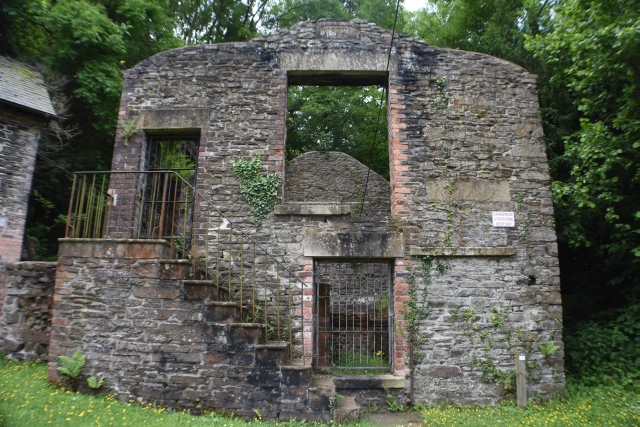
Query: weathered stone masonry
[19,136]
[25,109]
[465,139]
[25,320]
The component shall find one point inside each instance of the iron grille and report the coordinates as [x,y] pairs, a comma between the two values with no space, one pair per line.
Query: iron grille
[353,315]
[180,155]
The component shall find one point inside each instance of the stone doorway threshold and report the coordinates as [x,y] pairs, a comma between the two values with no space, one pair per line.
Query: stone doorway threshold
[359,396]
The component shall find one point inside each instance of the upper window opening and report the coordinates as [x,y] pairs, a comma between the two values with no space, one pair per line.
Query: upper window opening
[339,118]
[175,153]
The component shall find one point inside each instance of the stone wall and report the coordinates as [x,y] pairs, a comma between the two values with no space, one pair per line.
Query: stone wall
[19,136]
[157,340]
[334,177]
[25,319]
[465,140]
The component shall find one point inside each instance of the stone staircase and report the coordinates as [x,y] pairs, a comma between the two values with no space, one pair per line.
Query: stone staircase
[264,378]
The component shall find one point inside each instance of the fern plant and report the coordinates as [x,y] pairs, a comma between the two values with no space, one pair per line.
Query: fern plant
[71,367]
[94,382]
[548,349]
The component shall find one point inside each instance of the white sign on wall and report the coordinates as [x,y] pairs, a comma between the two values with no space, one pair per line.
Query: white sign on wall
[503,219]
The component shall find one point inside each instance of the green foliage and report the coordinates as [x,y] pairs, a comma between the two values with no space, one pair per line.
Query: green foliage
[606,352]
[206,22]
[339,118]
[286,13]
[578,407]
[25,392]
[595,49]
[360,359]
[95,383]
[467,318]
[417,309]
[71,367]
[129,128]
[392,403]
[548,348]
[260,191]
[334,401]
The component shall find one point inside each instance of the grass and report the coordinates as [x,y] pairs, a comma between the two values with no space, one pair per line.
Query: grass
[352,360]
[581,406]
[27,399]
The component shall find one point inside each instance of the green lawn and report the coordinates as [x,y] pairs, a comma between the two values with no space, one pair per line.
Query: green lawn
[27,399]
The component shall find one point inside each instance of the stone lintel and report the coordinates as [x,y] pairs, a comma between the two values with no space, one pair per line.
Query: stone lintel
[312,209]
[318,61]
[475,190]
[369,381]
[352,245]
[182,119]
[462,251]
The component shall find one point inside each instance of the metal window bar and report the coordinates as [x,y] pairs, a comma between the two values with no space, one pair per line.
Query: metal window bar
[235,267]
[353,315]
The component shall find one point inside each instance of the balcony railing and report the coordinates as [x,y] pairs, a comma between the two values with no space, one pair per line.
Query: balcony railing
[163,205]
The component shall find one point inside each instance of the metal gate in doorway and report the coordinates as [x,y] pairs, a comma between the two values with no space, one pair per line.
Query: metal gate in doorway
[167,191]
[353,315]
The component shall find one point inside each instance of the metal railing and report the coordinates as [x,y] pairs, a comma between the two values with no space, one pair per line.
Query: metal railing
[163,205]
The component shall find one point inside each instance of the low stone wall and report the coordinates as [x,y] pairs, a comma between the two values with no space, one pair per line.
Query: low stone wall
[334,177]
[25,319]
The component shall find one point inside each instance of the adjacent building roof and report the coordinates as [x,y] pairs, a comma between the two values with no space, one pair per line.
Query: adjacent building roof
[23,86]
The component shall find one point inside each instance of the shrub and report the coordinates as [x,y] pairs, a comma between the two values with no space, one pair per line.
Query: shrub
[606,352]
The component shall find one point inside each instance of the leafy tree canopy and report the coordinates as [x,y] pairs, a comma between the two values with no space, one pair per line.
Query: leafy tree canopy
[595,48]
[339,118]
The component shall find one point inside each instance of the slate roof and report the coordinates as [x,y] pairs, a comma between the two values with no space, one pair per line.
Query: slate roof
[22,85]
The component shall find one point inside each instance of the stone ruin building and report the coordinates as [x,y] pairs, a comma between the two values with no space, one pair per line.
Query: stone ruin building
[178,295]
[25,111]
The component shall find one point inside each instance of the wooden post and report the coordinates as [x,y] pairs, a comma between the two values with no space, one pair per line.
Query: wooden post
[521,380]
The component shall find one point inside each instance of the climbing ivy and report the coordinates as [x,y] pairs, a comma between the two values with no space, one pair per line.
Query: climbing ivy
[260,191]
[524,342]
[417,309]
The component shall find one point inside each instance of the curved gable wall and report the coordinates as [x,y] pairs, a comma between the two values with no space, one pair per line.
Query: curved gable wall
[465,140]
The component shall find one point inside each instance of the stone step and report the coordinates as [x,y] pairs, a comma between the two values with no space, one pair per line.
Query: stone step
[247,333]
[272,354]
[321,390]
[175,269]
[346,409]
[296,375]
[204,290]
[221,311]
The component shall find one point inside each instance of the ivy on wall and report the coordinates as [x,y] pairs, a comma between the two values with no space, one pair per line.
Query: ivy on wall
[260,191]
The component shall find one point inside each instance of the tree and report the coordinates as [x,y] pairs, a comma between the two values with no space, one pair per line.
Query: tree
[208,21]
[285,13]
[595,49]
[81,46]
[339,118]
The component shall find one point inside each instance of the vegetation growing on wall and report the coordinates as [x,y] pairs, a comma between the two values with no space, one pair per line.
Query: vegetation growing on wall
[584,52]
[260,190]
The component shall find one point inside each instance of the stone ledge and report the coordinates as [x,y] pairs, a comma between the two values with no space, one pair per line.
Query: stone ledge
[312,209]
[369,381]
[462,251]
[129,241]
